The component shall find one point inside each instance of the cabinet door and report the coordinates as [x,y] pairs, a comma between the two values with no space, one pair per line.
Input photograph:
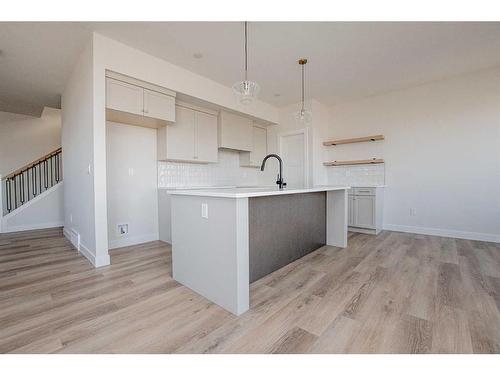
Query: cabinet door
[259,145]
[206,149]
[364,211]
[124,97]
[235,132]
[180,136]
[159,106]
[351,212]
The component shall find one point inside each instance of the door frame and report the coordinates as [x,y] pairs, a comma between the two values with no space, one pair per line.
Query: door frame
[305,133]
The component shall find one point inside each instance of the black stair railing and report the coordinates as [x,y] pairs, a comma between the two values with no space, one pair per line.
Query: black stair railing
[26,183]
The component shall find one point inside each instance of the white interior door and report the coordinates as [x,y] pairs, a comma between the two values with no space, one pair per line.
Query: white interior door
[293,151]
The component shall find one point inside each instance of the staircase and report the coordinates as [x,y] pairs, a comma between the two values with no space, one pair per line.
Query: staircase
[30,183]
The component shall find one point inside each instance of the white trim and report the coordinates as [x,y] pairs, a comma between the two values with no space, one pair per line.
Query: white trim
[488,237]
[196,108]
[73,237]
[99,261]
[136,82]
[129,241]
[305,132]
[20,228]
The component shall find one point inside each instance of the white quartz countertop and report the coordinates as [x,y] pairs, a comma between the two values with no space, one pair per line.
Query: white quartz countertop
[253,191]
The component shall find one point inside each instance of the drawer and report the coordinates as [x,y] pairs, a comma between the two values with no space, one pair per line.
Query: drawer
[364,191]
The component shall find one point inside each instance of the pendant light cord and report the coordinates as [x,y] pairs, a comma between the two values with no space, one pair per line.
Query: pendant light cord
[303,87]
[246,53]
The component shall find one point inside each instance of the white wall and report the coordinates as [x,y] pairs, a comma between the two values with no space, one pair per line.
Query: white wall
[442,153]
[24,139]
[131,184]
[78,159]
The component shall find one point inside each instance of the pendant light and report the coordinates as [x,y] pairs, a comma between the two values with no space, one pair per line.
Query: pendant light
[246,91]
[303,116]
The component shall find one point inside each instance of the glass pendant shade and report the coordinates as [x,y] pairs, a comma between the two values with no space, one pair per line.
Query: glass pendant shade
[303,116]
[246,91]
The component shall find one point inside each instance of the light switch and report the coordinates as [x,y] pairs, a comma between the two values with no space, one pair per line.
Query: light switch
[131,171]
[204,210]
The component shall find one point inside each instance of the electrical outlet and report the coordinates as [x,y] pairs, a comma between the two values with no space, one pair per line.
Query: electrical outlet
[204,210]
[413,211]
[122,229]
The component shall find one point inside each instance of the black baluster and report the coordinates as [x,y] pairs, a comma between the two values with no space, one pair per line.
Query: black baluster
[21,187]
[33,180]
[28,183]
[8,192]
[39,177]
[51,172]
[56,168]
[46,174]
[15,192]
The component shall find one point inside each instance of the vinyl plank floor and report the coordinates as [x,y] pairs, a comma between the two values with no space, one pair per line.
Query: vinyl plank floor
[391,293]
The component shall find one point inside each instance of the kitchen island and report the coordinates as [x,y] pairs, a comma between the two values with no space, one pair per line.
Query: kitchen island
[224,239]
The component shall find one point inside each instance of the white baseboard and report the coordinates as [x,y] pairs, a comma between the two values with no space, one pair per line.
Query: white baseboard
[74,237]
[97,261]
[129,241]
[363,230]
[20,228]
[487,237]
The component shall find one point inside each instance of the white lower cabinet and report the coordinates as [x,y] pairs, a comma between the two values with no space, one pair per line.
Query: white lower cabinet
[365,209]
[192,138]
[351,210]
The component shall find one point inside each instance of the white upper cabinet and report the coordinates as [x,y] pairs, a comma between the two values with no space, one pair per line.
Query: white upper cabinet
[206,137]
[158,105]
[235,132]
[259,148]
[124,97]
[131,103]
[192,138]
[180,136]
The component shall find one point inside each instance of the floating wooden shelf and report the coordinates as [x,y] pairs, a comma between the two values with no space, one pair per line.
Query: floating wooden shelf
[370,138]
[353,162]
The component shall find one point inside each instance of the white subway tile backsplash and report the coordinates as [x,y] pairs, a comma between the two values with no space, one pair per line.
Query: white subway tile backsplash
[226,172]
[357,175]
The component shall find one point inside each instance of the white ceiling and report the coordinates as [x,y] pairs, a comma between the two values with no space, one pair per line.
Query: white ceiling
[346,60]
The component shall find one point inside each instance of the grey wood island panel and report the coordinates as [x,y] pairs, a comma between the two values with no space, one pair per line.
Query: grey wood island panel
[283,229]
